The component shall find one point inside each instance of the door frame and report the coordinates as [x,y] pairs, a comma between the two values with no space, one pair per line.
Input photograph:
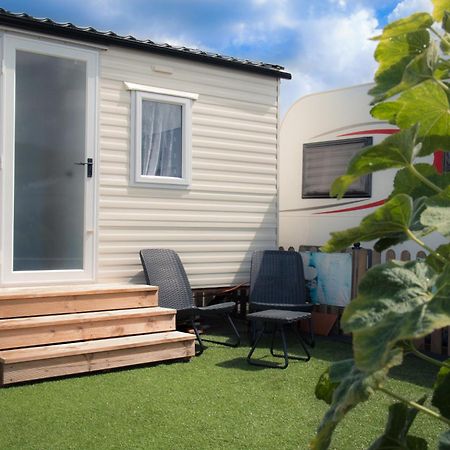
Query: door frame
[9,44]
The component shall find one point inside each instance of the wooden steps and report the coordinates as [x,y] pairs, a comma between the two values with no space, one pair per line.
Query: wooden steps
[26,302]
[48,332]
[56,360]
[25,332]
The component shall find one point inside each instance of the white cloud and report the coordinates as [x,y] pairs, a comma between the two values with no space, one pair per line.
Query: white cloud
[336,52]
[270,18]
[407,7]
[341,3]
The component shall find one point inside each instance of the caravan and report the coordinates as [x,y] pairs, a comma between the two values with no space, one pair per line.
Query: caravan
[318,137]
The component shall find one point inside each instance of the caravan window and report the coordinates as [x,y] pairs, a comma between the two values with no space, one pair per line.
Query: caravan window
[323,162]
[161,140]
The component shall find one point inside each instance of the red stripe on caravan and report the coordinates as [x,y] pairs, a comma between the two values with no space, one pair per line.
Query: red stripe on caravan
[375,131]
[438,161]
[355,208]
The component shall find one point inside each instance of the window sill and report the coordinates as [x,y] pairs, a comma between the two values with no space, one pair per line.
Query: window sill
[161,182]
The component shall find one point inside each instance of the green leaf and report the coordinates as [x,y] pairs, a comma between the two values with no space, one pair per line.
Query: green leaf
[439,7]
[395,436]
[446,21]
[394,55]
[441,397]
[396,151]
[385,243]
[325,388]
[393,217]
[443,372]
[436,263]
[437,213]
[444,441]
[386,111]
[340,370]
[355,388]
[419,69]
[426,104]
[412,303]
[406,182]
[409,24]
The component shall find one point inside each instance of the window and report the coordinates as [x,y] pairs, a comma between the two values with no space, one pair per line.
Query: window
[161,137]
[323,162]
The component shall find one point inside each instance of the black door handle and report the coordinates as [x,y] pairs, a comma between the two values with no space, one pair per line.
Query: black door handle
[89,164]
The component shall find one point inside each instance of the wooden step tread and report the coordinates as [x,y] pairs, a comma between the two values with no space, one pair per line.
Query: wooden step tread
[75,290]
[62,319]
[89,347]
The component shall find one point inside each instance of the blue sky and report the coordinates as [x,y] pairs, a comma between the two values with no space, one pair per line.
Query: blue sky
[323,43]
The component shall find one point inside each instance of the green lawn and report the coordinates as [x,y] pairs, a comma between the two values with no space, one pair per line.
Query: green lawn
[216,401]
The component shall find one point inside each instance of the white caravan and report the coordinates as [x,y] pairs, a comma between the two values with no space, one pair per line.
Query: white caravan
[318,136]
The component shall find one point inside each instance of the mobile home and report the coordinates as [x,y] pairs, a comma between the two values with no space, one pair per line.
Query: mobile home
[318,136]
[111,144]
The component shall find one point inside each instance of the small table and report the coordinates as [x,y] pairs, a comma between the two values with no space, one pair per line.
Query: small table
[279,319]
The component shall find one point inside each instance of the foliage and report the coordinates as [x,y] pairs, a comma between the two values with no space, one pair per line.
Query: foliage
[412,91]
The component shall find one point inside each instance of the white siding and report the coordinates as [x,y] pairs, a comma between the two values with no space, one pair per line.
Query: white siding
[231,207]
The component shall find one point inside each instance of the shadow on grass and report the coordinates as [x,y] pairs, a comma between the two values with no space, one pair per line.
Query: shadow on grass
[239,363]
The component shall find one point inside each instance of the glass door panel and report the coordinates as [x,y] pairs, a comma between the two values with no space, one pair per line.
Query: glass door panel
[49,139]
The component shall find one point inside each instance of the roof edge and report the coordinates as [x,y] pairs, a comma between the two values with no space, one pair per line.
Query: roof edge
[47,26]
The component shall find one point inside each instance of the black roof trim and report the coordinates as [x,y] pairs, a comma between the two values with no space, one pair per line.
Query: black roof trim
[69,30]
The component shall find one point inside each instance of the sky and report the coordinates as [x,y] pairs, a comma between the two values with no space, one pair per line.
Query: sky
[324,44]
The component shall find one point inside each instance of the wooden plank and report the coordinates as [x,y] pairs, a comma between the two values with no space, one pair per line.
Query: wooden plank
[448,341]
[85,326]
[405,255]
[359,268]
[421,255]
[436,341]
[390,255]
[63,304]
[63,319]
[73,290]
[80,348]
[376,258]
[75,364]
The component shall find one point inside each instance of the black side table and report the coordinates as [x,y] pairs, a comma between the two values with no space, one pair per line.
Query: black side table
[279,320]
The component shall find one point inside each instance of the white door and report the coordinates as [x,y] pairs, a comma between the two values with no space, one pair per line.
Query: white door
[49,122]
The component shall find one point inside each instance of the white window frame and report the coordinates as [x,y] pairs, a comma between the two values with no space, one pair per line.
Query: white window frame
[138,95]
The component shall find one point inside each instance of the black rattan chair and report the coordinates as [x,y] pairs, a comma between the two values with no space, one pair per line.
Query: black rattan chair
[277,282]
[163,268]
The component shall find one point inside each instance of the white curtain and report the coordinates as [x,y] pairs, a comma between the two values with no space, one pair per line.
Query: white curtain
[161,139]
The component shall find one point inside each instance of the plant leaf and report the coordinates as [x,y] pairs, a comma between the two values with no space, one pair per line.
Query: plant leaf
[386,111]
[413,302]
[444,441]
[439,7]
[443,372]
[426,104]
[395,436]
[355,388]
[436,263]
[406,182]
[396,151]
[393,217]
[418,69]
[437,213]
[325,387]
[446,20]
[409,24]
[394,55]
[441,396]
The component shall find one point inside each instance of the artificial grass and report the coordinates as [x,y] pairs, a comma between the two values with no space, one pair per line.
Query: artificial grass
[215,401]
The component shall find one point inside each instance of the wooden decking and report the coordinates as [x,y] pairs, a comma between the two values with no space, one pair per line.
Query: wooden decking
[48,332]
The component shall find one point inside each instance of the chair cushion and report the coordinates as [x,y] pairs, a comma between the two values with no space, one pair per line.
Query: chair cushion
[219,308]
[278,315]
